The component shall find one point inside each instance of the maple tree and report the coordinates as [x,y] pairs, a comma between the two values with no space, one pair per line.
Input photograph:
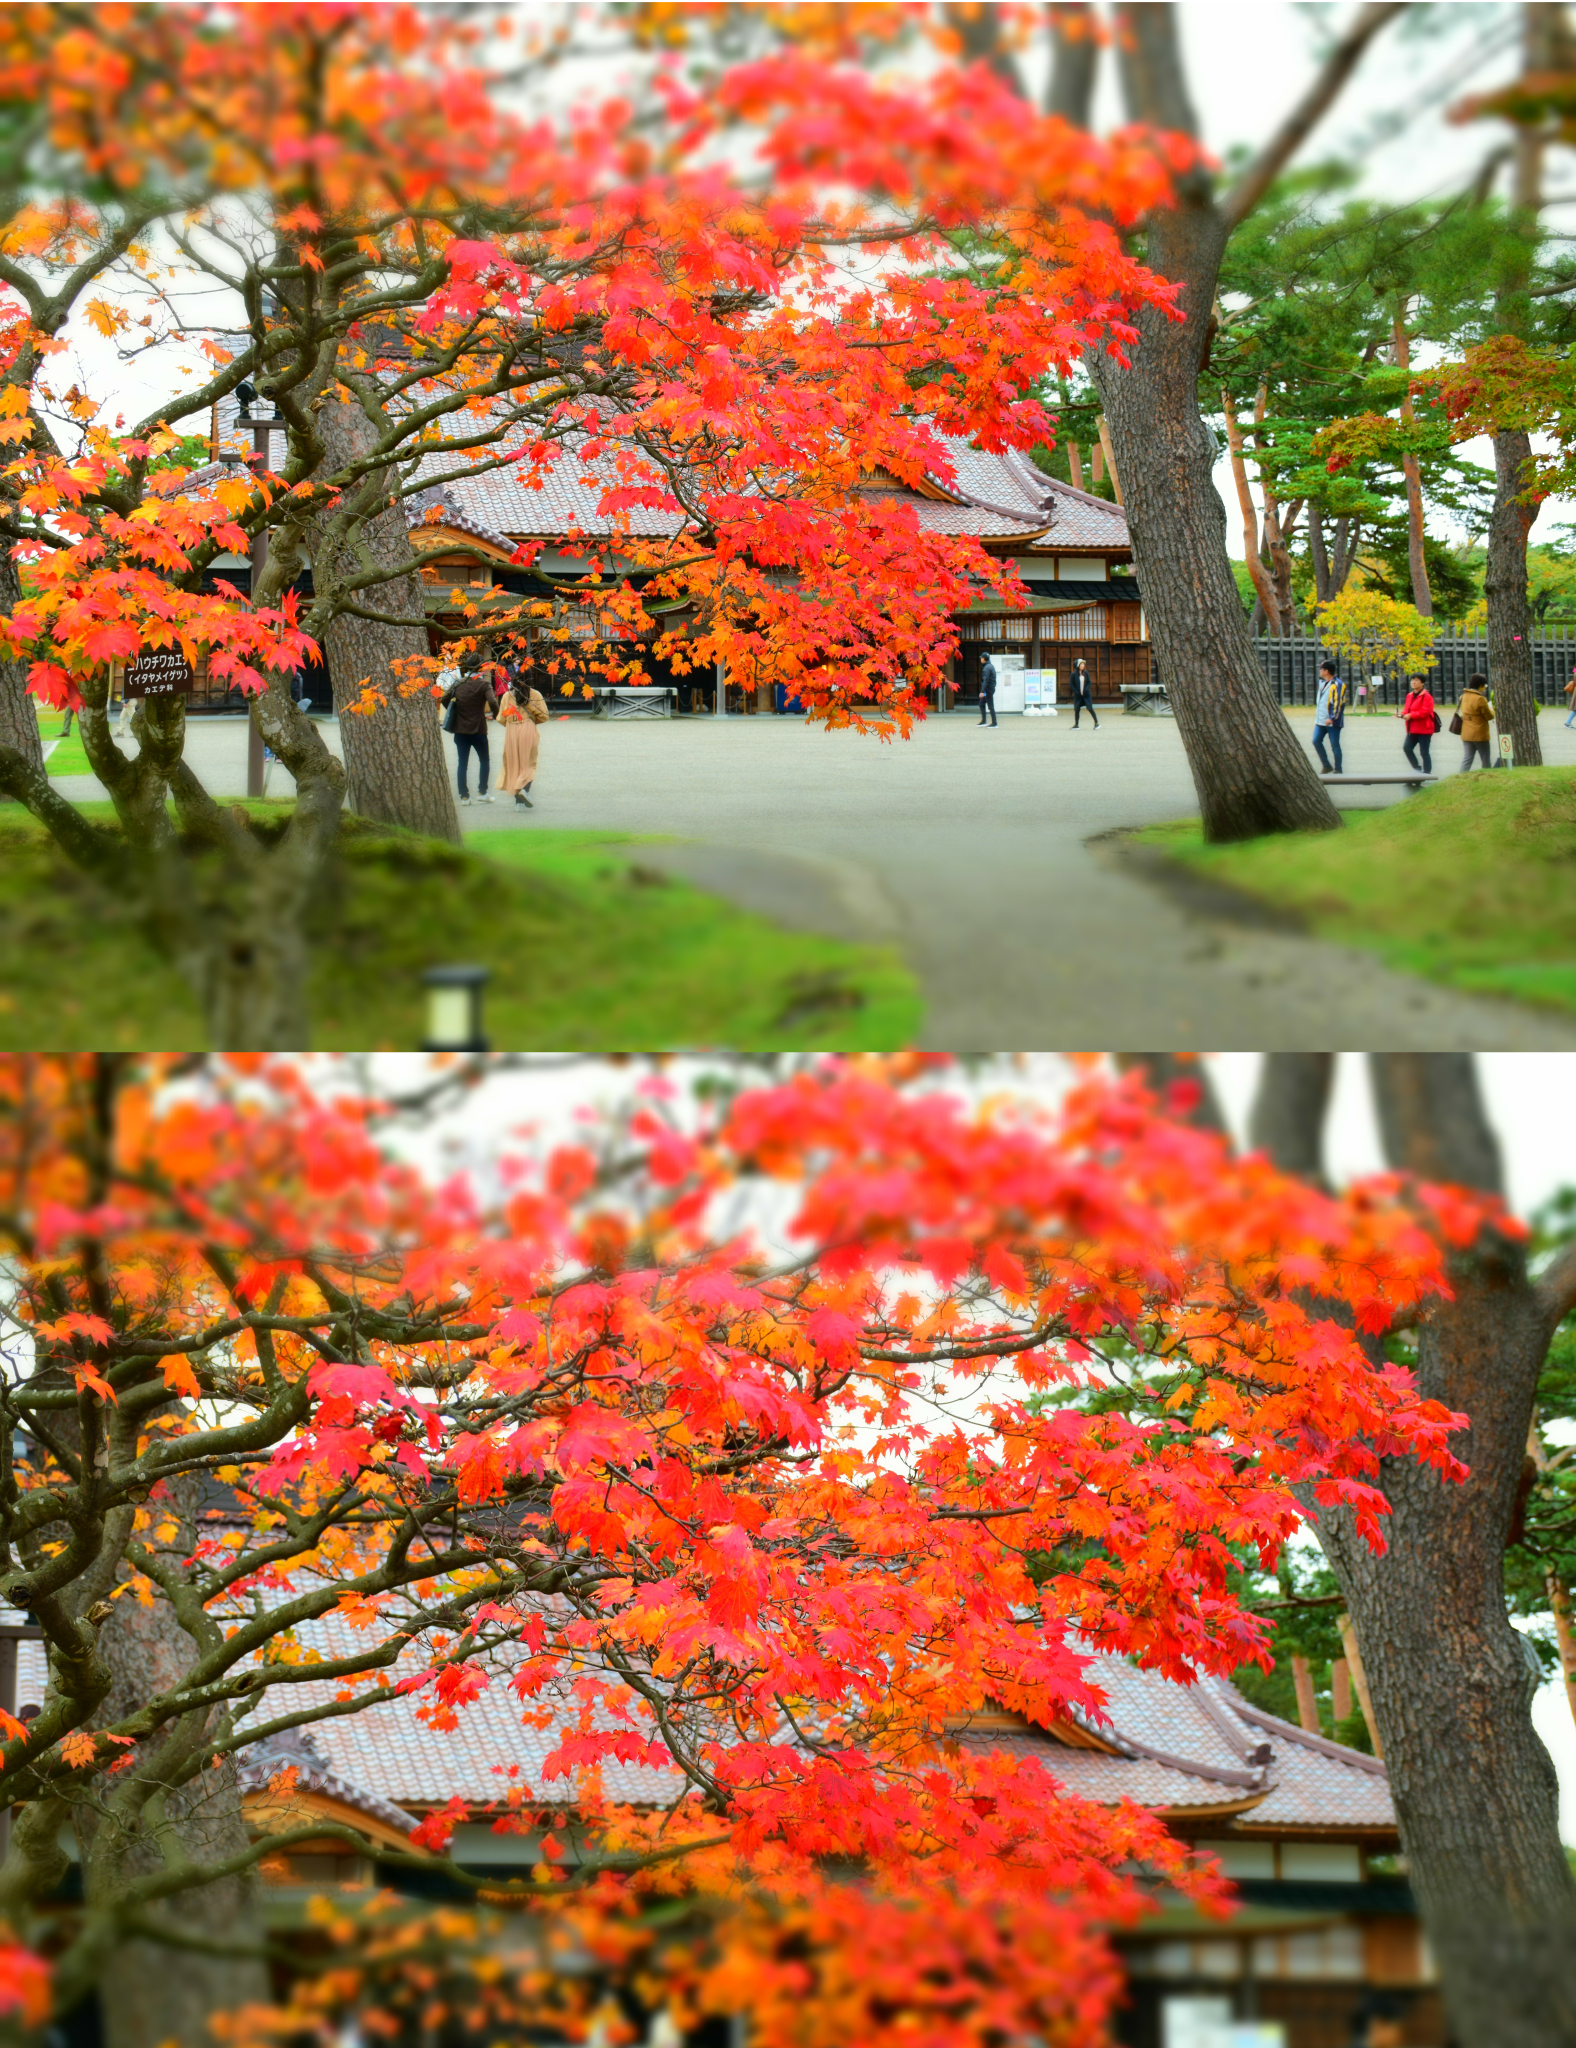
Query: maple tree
[758,1503]
[433,285]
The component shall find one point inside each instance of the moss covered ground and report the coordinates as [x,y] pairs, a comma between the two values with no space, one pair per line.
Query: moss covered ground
[590,948]
[1470,882]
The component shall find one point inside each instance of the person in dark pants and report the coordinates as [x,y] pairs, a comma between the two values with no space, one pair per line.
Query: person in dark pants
[1422,722]
[1083,694]
[472,701]
[1329,716]
[987,690]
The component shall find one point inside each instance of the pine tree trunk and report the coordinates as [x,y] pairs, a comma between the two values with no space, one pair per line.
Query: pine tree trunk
[1505,586]
[1564,1632]
[1249,768]
[1417,558]
[18,713]
[1320,556]
[1474,1788]
[394,756]
[1449,1677]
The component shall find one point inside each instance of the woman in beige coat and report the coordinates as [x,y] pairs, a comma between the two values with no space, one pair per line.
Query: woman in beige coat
[1475,713]
[522,714]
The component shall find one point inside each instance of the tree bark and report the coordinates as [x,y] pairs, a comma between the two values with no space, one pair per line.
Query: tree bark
[151,1995]
[1354,1664]
[1565,1634]
[1447,1674]
[1264,589]
[1505,578]
[1289,1109]
[1249,768]
[1319,553]
[1251,772]
[1449,1677]
[1505,587]
[1422,596]
[18,712]
[1075,58]
[1280,523]
[1307,1698]
[394,758]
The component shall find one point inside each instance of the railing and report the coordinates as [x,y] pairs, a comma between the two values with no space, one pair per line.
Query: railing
[1292,665]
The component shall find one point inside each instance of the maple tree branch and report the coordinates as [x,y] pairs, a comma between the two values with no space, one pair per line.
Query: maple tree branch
[1322,92]
[88,846]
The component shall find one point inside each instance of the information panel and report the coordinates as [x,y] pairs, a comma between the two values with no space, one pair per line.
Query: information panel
[159,672]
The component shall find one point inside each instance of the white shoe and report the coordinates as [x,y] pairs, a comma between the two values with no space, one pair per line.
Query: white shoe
[465,803]
[489,799]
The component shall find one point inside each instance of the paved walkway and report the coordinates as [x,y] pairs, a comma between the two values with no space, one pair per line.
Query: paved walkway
[969,850]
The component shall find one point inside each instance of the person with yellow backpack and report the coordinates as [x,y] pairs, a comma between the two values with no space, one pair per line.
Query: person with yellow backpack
[1329,716]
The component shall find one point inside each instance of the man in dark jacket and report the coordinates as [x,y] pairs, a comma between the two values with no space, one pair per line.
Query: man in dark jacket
[474,700]
[987,690]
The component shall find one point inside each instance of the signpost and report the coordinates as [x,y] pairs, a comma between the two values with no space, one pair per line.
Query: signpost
[159,672]
[1039,693]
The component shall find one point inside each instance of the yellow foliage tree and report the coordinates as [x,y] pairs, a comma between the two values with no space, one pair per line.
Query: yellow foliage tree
[1377,632]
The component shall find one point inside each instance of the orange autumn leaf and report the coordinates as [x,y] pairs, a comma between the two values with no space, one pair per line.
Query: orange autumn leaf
[179,1376]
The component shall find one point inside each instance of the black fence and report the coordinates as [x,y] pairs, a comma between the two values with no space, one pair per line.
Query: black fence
[1292,665]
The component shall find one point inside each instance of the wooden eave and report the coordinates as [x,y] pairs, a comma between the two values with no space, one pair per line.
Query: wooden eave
[276,1813]
[437,539]
[1210,1810]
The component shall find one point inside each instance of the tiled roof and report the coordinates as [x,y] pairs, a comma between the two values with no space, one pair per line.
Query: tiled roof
[1177,1747]
[299,1750]
[1201,1745]
[1003,496]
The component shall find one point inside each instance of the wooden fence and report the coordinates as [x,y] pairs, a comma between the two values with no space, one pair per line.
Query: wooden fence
[1292,665]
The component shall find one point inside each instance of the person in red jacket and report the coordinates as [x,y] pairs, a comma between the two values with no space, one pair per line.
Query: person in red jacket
[1422,722]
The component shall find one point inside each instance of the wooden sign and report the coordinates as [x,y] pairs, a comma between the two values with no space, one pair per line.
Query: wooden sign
[160,672]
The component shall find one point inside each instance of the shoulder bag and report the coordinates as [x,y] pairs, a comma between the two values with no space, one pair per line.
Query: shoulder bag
[1455,723]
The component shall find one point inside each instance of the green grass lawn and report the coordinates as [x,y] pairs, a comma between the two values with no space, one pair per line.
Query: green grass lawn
[69,757]
[1472,882]
[590,949]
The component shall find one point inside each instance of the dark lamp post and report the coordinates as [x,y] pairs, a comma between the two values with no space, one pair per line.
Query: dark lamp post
[454,1009]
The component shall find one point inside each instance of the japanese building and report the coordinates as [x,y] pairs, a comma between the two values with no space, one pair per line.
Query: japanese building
[1070,548]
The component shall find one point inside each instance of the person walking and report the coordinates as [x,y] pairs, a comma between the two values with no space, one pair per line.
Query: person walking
[522,713]
[1083,694]
[1422,722]
[1570,691]
[1475,714]
[1329,716]
[470,703]
[987,690]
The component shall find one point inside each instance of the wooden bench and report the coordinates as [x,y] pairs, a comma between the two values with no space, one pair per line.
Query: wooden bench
[634,700]
[1146,699]
[1411,781]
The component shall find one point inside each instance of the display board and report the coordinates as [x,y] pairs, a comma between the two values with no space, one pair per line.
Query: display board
[160,672]
[1039,693]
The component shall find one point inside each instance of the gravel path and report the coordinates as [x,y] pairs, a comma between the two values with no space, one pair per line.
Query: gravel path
[970,850]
